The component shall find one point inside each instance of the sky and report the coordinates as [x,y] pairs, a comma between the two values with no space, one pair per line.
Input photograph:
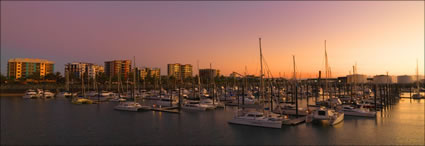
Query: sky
[378,36]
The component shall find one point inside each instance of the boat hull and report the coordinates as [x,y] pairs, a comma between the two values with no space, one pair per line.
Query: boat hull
[357,114]
[258,123]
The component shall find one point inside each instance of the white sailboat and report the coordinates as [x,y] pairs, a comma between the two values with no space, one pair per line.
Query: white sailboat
[82,99]
[360,112]
[130,105]
[256,118]
[418,94]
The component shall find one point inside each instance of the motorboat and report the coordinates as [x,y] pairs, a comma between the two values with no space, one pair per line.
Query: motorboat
[46,94]
[30,94]
[325,114]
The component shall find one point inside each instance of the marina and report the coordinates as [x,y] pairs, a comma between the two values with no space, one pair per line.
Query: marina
[212,73]
[54,121]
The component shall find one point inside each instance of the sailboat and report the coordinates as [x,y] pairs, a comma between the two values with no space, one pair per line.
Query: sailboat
[325,113]
[291,109]
[253,117]
[130,105]
[65,93]
[212,102]
[117,97]
[202,104]
[82,99]
[417,95]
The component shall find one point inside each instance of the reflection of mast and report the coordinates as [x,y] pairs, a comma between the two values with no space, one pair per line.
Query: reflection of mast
[417,75]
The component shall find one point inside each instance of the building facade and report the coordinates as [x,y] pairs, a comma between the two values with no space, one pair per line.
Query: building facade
[186,71]
[404,79]
[357,79]
[81,68]
[208,74]
[179,71]
[115,67]
[146,71]
[383,79]
[25,67]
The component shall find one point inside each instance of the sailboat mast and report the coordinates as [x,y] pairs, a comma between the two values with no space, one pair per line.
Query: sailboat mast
[199,80]
[134,77]
[326,69]
[295,76]
[261,72]
[82,84]
[67,80]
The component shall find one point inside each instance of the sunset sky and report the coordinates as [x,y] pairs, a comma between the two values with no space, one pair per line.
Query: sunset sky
[378,36]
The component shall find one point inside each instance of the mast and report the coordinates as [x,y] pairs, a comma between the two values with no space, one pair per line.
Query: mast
[67,80]
[82,85]
[119,83]
[296,88]
[134,77]
[261,73]
[199,80]
[327,74]
[293,59]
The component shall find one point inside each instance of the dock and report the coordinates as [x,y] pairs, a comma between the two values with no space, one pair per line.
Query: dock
[295,121]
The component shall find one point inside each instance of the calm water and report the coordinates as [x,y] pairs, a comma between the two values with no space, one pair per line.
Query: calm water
[59,122]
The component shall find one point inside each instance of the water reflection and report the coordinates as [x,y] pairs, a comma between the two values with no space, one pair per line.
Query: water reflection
[59,122]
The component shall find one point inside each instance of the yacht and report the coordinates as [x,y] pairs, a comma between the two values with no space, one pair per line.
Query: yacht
[330,115]
[128,106]
[361,112]
[255,118]
[31,94]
